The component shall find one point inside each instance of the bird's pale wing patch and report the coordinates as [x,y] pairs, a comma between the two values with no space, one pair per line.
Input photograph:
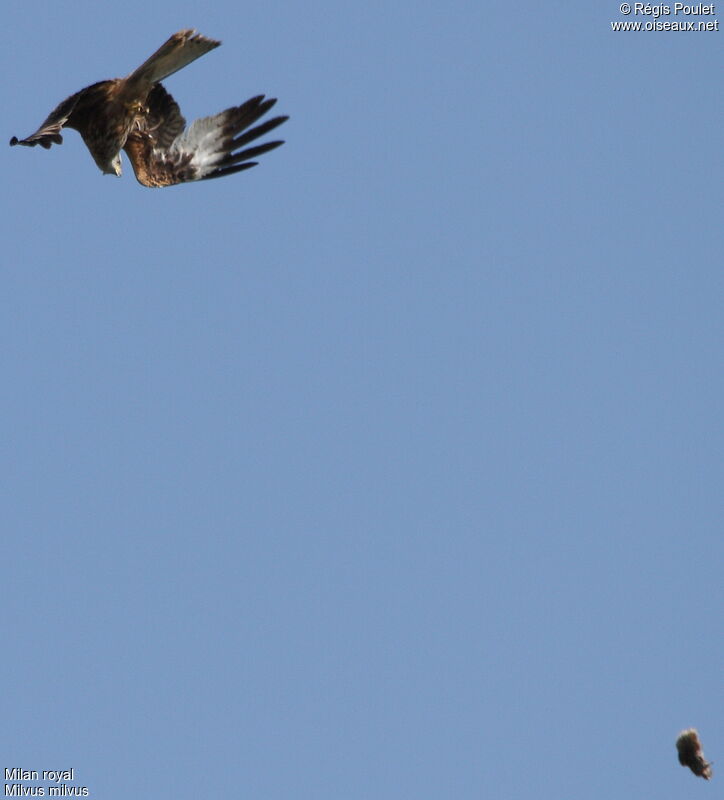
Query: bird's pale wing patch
[209,148]
[214,142]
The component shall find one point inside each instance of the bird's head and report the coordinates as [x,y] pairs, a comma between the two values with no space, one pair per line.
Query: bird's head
[114,167]
[107,164]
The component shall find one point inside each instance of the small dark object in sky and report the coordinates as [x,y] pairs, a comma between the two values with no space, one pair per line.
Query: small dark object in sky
[691,755]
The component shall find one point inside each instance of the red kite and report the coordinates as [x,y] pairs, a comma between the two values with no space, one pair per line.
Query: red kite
[138,115]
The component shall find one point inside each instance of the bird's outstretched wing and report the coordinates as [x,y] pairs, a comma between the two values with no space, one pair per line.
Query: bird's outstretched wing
[49,132]
[162,153]
[174,54]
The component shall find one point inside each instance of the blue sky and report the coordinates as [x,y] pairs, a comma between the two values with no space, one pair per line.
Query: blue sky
[390,468]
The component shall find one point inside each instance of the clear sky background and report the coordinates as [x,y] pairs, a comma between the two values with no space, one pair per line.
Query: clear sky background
[391,468]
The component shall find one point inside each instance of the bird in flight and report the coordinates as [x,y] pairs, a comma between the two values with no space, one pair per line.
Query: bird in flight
[691,754]
[138,115]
